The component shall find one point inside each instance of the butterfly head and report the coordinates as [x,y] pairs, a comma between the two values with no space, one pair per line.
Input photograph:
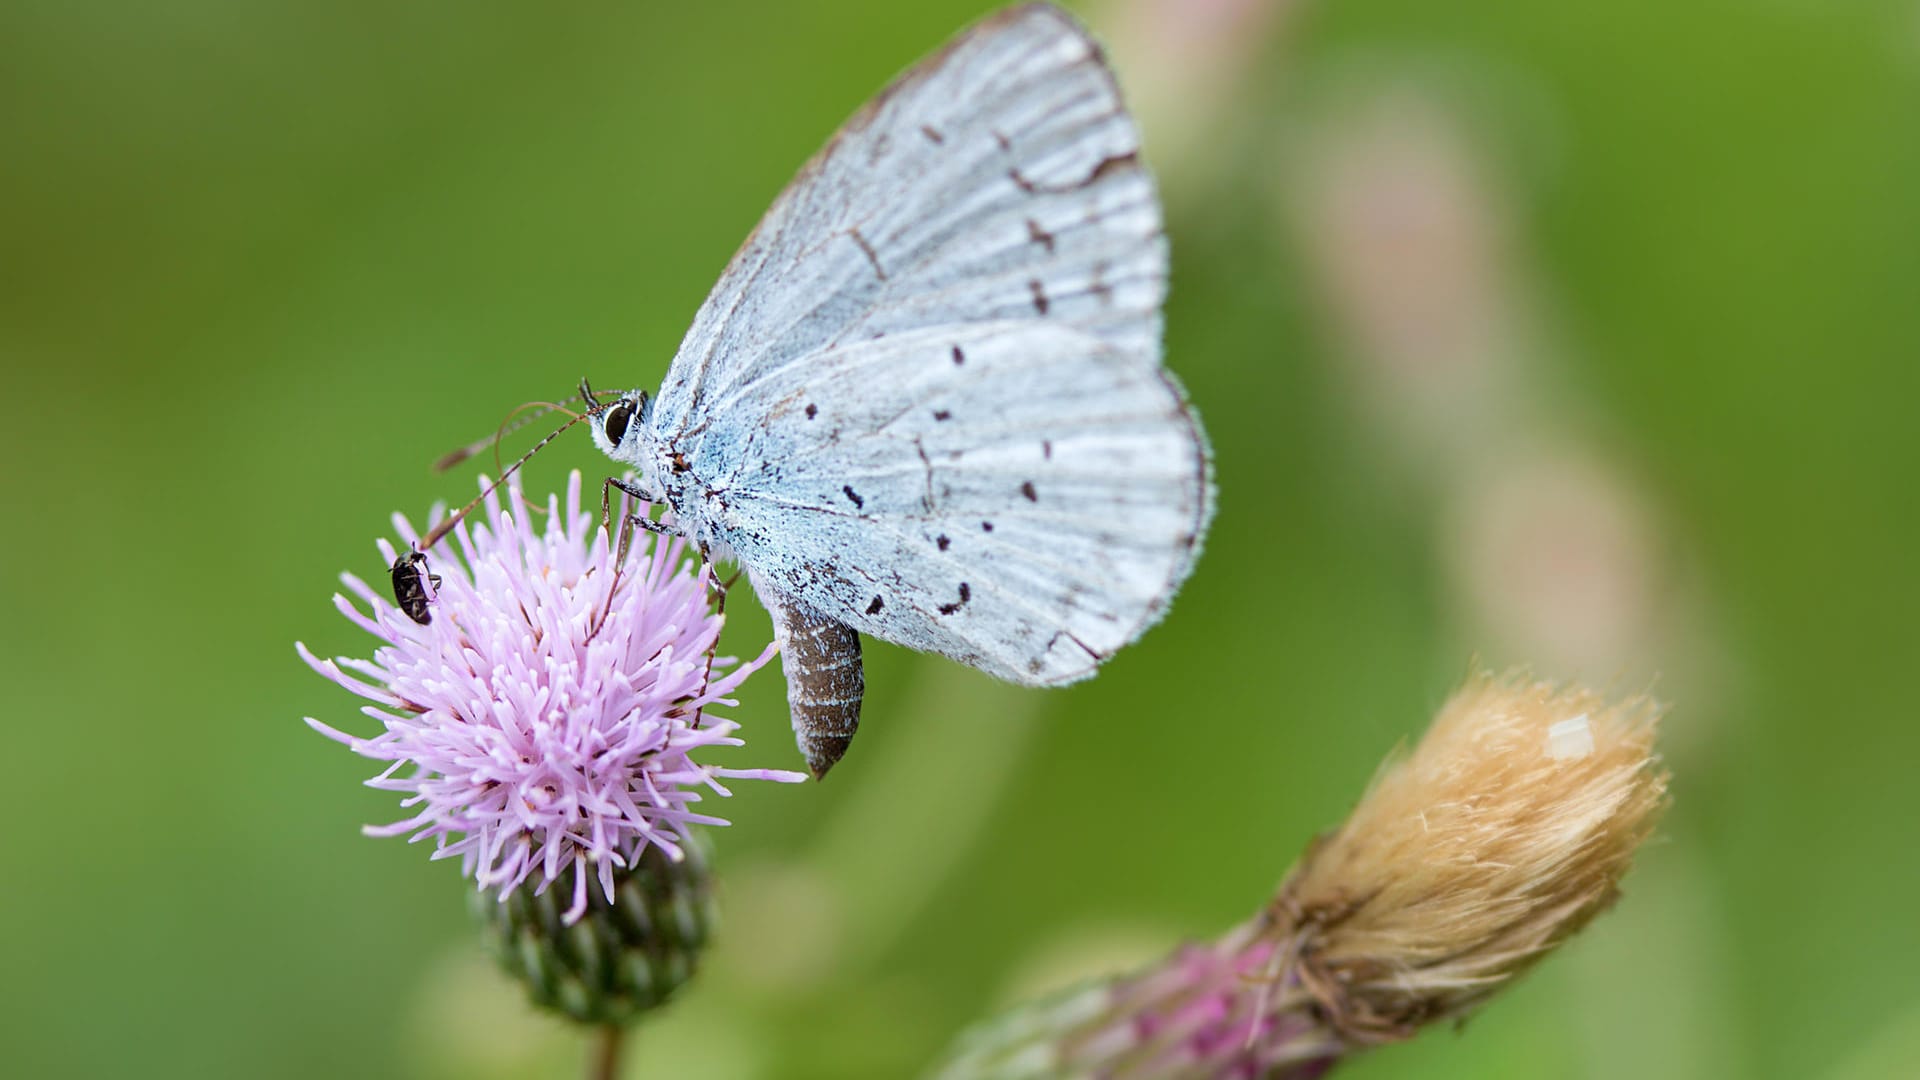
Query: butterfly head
[617,422]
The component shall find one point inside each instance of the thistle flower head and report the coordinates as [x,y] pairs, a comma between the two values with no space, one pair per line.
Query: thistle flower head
[546,718]
[1502,834]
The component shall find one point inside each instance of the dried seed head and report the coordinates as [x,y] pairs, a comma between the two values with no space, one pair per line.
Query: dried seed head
[1499,836]
[1505,830]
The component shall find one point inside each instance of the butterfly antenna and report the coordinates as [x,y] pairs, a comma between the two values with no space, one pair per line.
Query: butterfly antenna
[433,536]
[533,409]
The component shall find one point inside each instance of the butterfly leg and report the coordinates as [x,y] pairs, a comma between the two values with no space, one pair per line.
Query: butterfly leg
[714,584]
[821,659]
[638,493]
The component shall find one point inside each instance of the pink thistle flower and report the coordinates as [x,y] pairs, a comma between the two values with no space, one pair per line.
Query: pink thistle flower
[551,709]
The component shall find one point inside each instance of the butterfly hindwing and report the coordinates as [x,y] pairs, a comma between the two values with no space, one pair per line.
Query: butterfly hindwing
[1021,496]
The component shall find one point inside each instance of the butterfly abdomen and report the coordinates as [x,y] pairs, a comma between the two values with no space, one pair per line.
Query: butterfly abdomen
[825,682]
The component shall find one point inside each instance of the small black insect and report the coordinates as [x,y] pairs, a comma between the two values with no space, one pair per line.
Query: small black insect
[411,585]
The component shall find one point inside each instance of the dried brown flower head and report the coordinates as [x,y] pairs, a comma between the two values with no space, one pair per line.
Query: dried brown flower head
[1503,833]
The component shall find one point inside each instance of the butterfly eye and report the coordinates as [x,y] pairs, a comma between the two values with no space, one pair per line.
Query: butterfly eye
[617,419]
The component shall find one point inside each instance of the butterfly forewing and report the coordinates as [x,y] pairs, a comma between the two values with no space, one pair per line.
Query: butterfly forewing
[998,179]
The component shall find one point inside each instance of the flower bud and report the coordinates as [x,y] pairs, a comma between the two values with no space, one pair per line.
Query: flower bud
[620,959]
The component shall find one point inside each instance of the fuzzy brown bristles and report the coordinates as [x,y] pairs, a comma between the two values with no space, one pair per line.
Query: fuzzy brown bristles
[1504,832]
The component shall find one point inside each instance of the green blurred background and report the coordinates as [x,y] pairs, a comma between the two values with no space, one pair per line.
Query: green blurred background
[1580,335]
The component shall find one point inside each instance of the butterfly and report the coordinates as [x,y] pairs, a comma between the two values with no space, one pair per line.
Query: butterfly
[924,401]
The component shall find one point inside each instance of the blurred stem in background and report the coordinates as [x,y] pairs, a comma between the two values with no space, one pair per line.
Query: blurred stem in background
[605,1064]
[1549,546]
[1504,832]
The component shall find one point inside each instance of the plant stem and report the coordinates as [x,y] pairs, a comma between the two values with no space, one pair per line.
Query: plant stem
[603,1061]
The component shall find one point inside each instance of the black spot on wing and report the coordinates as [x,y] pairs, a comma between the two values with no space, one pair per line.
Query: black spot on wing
[942,414]
[812,410]
[854,497]
[958,356]
[965,595]
[942,542]
[1026,488]
[874,607]
[1039,235]
[1040,301]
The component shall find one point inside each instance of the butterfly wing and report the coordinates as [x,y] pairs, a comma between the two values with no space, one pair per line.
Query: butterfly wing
[1022,496]
[925,398]
[998,179]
